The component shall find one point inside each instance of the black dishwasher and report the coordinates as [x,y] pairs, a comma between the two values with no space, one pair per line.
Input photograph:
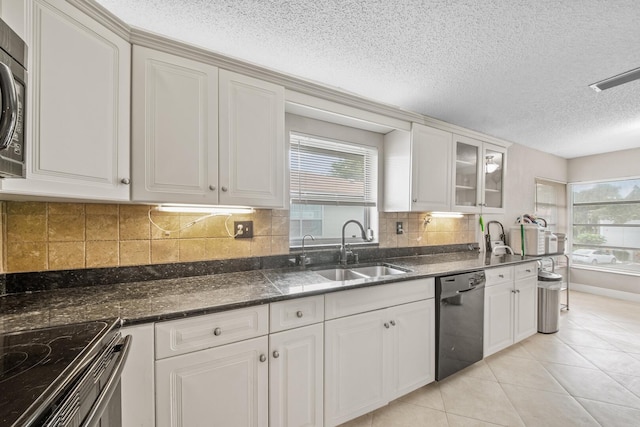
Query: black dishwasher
[459,322]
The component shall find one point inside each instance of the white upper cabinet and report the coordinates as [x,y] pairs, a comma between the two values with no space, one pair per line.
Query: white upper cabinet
[478,176]
[175,129]
[77,107]
[417,167]
[203,135]
[252,142]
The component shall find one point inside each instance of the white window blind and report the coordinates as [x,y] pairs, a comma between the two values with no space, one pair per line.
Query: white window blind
[327,172]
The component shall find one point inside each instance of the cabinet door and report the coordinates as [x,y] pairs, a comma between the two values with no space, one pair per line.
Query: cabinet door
[296,377]
[356,354]
[78,107]
[252,142]
[495,161]
[431,169]
[467,178]
[498,317]
[526,312]
[225,386]
[175,129]
[413,346]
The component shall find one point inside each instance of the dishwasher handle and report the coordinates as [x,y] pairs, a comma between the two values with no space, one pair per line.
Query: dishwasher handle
[462,291]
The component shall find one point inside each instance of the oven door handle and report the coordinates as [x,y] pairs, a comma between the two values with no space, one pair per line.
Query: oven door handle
[9,113]
[93,419]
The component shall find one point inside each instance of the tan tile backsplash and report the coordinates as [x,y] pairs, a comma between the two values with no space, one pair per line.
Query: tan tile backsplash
[39,236]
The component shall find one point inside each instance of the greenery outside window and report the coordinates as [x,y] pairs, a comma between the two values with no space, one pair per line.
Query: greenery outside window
[606,225]
[331,182]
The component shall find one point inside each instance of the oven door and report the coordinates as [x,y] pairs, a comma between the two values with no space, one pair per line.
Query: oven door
[94,400]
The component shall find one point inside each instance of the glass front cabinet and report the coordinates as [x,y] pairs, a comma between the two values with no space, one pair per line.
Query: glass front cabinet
[479,176]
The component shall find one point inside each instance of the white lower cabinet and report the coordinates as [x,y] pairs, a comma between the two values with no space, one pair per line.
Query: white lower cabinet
[375,357]
[296,377]
[510,308]
[221,386]
[137,378]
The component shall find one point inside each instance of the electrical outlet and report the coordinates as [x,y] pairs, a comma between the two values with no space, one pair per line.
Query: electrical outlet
[399,229]
[243,229]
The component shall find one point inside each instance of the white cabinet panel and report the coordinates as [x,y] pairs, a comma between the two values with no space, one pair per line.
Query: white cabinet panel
[138,385]
[296,313]
[526,316]
[417,167]
[413,347]
[357,354]
[296,377]
[78,107]
[226,386]
[498,317]
[175,129]
[252,141]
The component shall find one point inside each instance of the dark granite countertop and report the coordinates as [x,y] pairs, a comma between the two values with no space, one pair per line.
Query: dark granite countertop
[164,299]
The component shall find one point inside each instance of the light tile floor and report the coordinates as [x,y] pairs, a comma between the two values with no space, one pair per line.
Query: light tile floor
[586,374]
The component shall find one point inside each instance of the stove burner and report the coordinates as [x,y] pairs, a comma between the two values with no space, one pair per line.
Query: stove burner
[19,358]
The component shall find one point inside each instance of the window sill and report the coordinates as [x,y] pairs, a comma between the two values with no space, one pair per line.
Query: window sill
[633,269]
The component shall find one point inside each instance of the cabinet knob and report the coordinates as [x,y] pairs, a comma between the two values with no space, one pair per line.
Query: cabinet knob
[276,354]
[501,276]
[212,187]
[263,358]
[513,291]
[415,200]
[224,189]
[299,313]
[125,181]
[393,323]
[386,325]
[217,332]
[518,290]
[528,270]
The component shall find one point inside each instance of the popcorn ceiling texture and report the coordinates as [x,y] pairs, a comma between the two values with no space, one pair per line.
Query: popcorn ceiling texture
[517,70]
[41,236]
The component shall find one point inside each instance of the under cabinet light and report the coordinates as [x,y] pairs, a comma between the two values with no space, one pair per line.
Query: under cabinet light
[618,80]
[446,215]
[213,210]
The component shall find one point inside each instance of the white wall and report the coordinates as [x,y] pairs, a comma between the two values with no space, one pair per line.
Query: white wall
[614,165]
[524,165]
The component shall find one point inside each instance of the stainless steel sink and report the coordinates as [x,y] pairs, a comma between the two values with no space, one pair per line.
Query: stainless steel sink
[339,274]
[378,270]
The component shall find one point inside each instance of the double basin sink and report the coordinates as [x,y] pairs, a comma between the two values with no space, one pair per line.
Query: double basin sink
[338,274]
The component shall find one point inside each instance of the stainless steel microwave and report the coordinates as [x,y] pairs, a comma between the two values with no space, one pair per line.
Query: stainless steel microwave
[13,82]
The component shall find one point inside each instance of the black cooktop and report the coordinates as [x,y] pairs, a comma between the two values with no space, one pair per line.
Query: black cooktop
[37,365]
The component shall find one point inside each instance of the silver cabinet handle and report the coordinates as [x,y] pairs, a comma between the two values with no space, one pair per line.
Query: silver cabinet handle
[224,188]
[263,358]
[217,332]
[212,187]
[415,200]
[513,291]
[518,290]
[501,276]
[528,270]
[9,117]
[276,354]
[125,181]
[393,323]
[299,314]
[386,325]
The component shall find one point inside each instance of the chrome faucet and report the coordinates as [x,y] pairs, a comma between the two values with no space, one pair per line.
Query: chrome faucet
[344,252]
[303,259]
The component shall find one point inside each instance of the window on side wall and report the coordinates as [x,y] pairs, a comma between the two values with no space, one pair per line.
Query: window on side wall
[331,182]
[606,225]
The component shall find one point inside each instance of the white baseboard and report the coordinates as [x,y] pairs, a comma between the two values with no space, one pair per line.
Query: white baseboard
[611,293]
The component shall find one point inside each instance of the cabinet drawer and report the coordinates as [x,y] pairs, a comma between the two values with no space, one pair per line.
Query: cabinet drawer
[199,332]
[526,270]
[495,276]
[296,312]
[354,301]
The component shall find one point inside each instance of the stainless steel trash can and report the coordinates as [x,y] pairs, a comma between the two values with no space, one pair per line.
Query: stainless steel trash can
[549,287]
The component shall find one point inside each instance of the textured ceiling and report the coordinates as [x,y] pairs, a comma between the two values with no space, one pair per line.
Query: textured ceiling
[517,70]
